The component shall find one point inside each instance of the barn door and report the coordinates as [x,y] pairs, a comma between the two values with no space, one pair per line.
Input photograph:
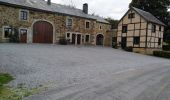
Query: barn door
[42,32]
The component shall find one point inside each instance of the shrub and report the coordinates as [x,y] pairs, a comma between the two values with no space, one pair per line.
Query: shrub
[166,47]
[14,37]
[114,45]
[62,41]
[129,49]
[164,54]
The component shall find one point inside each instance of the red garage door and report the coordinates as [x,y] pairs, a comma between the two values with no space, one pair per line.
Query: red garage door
[42,32]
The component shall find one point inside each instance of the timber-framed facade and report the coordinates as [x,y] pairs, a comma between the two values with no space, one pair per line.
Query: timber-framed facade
[140,30]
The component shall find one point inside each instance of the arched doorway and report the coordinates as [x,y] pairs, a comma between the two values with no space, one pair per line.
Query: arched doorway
[99,39]
[42,32]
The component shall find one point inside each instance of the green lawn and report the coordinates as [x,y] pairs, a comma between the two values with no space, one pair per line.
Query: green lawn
[4,79]
[8,93]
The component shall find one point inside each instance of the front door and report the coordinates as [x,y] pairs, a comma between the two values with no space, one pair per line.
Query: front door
[78,39]
[99,39]
[124,42]
[73,38]
[23,36]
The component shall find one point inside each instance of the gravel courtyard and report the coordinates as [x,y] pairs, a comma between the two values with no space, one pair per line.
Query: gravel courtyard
[86,72]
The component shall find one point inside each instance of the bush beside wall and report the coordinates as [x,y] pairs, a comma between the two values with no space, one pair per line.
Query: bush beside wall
[166,47]
[164,54]
[129,49]
[62,41]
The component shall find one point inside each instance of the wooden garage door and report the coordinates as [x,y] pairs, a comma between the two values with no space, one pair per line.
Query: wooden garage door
[42,32]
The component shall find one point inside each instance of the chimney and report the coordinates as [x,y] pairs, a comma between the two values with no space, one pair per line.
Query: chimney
[49,2]
[85,8]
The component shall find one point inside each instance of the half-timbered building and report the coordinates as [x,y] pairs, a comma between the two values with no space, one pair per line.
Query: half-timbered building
[140,30]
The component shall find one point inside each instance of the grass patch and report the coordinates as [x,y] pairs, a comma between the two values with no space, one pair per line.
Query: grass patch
[9,93]
[4,79]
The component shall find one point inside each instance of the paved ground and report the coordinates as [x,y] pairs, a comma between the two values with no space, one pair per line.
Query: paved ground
[86,73]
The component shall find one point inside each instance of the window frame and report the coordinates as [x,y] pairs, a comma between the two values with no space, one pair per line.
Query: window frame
[100,27]
[23,29]
[86,24]
[159,41]
[3,33]
[160,28]
[124,30]
[88,39]
[131,15]
[67,22]
[136,40]
[21,18]
[153,28]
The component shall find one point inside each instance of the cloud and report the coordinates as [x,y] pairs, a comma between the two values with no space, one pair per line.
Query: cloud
[105,8]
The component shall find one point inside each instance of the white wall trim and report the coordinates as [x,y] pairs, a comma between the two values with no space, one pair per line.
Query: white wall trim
[20,14]
[3,34]
[27,33]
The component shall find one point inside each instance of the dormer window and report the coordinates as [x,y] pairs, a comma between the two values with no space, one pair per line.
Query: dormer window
[24,15]
[131,15]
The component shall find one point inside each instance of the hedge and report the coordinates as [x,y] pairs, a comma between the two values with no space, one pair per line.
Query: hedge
[164,54]
[166,47]
[129,49]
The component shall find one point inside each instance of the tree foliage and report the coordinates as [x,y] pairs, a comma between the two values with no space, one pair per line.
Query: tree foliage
[159,8]
[113,23]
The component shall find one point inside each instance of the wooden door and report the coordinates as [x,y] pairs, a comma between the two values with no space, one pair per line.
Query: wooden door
[99,39]
[43,32]
[124,42]
[23,35]
[73,38]
[78,39]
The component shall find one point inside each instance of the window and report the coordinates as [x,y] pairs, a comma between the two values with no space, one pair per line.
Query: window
[87,24]
[7,32]
[69,22]
[154,28]
[100,27]
[23,31]
[87,38]
[124,29]
[131,15]
[159,41]
[24,15]
[136,40]
[160,28]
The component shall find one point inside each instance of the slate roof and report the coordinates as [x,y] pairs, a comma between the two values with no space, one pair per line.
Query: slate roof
[148,16]
[56,8]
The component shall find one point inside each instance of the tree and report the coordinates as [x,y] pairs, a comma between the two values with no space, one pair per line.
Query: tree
[159,8]
[113,23]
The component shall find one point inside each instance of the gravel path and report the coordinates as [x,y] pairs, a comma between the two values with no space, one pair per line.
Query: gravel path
[84,73]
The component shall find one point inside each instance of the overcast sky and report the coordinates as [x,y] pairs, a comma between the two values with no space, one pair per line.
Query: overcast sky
[105,8]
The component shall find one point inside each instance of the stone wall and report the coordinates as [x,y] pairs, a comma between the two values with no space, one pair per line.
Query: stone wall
[10,17]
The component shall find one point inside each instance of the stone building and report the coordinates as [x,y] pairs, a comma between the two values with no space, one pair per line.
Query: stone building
[140,30]
[40,21]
